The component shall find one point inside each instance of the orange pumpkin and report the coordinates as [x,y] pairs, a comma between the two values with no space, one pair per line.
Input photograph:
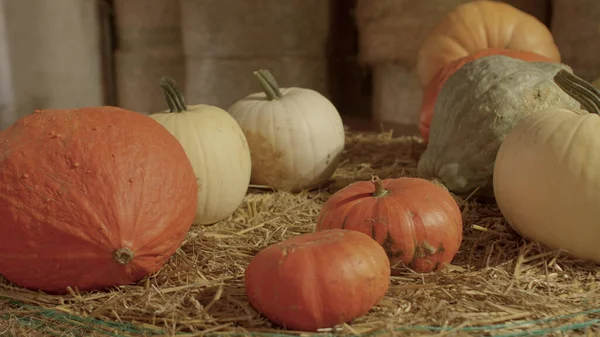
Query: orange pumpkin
[478,25]
[91,198]
[318,280]
[417,222]
[432,90]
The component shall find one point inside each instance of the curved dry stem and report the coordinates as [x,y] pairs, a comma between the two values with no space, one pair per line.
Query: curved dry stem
[579,89]
[173,96]
[439,183]
[268,84]
[380,191]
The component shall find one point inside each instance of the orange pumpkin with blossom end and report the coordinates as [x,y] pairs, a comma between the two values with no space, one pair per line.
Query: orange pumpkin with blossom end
[91,198]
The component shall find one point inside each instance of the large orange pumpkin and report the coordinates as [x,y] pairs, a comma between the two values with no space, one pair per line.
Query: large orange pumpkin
[483,24]
[91,198]
[432,90]
[417,222]
[318,280]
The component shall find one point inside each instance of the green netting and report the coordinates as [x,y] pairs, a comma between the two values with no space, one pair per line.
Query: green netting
[55,323]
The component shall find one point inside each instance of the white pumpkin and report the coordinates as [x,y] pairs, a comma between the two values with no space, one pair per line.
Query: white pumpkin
[296,135]
[217,149]
[546,175]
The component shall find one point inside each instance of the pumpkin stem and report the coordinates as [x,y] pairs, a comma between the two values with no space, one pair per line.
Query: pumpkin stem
[439,183]
[380,191]
[174,97]
[579,89]
[268,83]
[123,255]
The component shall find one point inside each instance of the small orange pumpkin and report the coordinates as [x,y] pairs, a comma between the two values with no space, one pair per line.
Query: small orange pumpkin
[478,25]
[318,280]
[437,82]
[416,221]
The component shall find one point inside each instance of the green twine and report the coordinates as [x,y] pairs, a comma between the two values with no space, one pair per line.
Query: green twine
[81,326]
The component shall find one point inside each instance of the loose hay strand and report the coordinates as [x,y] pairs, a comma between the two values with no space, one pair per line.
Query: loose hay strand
[497,283]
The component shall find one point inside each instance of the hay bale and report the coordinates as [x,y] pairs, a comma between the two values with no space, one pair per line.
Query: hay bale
[138,74]
[7,111]
[222,81]
[53,54]
[541,9]
[396,97]
[393,30]
[143,24]
[258,28]
[576,32]
[149,46]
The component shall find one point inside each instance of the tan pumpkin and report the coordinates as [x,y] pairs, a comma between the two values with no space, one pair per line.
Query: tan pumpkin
[546,178]
[478,25]
[217,149]
[476,108]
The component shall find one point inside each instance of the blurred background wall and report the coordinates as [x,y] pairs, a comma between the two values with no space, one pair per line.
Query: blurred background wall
[73,53]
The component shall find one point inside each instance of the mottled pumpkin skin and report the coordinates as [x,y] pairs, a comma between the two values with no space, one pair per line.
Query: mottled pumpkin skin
[476,108]
[417,222]
[76,185]
[432,90]
[318,280]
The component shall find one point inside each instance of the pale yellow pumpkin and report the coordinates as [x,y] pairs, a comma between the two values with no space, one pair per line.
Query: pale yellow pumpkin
[217,149]
[296,135]
[546,174]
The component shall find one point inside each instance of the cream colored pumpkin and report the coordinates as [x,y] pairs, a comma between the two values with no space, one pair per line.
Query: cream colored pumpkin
[546,174]
[296,135]
[217,149]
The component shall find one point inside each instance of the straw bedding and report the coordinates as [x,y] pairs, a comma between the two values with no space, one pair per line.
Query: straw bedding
[497,285]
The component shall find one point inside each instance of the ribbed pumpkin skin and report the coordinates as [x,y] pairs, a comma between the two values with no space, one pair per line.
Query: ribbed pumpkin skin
[482,24]
[76,185]
[432,90]
[417,222]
